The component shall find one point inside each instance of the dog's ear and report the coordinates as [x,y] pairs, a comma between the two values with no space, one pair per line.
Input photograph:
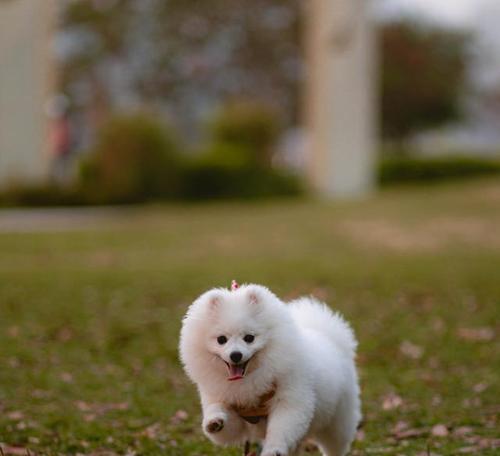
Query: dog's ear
[254,294]
[213,299]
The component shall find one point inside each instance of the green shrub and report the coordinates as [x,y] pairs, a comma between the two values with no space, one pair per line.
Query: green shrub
[38,195]
[227,155]
[237,162]
[250,128]
[135,159]
[407,169]
[211,179]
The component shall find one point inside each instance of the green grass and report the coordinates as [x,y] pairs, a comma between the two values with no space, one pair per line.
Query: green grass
[90,315]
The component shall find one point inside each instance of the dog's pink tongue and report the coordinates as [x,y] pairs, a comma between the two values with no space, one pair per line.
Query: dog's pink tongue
[235,372]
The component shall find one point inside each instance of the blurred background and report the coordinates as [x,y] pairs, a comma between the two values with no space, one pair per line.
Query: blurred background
[348,149]
[113,101]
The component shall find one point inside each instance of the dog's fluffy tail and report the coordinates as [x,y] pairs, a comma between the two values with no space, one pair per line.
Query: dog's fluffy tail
[315,315]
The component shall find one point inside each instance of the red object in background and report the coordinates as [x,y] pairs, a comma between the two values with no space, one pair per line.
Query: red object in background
[60,137]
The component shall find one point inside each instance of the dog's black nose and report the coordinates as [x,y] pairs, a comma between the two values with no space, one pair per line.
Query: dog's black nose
[236,357]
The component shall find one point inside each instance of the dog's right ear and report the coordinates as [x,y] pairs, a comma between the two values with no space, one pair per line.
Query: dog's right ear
[213,299]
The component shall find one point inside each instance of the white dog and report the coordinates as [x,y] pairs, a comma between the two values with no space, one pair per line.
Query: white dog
[272,372]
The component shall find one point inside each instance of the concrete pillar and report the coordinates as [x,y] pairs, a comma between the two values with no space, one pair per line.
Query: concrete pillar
[26,80]
[341,97]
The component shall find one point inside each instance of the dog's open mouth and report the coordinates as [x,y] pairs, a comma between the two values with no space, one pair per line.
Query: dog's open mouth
[236,371]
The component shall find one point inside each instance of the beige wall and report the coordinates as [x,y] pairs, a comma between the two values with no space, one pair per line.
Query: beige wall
[25,82]
[341,97]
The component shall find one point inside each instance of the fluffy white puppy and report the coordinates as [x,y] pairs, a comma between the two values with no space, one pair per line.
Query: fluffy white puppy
[272,372]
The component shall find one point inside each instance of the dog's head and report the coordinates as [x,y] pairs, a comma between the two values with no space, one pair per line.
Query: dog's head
[226,334]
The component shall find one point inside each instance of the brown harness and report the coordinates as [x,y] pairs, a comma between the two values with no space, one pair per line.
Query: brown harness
[260,411]
[253,415]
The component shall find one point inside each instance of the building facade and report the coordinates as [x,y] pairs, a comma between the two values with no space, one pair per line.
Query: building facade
[341,101]
[26,82]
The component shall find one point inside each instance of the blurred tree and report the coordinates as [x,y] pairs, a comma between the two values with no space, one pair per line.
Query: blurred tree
[423,77]
[94,36]
[184,55]
[247,127]
[229,47]
[187,56]
[135,159]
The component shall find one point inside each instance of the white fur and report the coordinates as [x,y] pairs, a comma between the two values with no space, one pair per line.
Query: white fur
[303,348]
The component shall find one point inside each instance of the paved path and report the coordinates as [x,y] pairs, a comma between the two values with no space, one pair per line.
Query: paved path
[57,219]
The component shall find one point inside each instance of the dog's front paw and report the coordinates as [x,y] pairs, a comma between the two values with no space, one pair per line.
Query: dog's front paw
[274,451]
[214,425]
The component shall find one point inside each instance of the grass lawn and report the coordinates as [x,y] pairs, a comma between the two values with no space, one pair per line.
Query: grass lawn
[90,312]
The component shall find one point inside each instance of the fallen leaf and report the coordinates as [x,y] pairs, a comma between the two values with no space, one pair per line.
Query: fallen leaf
[16,451]
[13,331]
[489,443]
[151,432]
[469,449]
[379,450]
[360,435]
[66,377]
[482,442]
[15,415]
[179,416]
[101,453]
[83,406]
[21,426]
[65,334]
[100,409]
[116,406]
[411,350]
[391,401]
[474,402]
[13,362]
[410,434]
[478,388]
[437,325]
[462,430]
[40,394]
[483,334]
[439,430]
[436,400]
[434,362]
[399,427]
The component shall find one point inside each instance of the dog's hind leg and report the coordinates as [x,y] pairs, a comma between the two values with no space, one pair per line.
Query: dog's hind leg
[330,446]
[336,441]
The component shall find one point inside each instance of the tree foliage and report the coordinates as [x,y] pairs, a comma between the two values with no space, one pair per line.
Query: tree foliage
[135,159]
[253,128]
[423,77]
[187,55]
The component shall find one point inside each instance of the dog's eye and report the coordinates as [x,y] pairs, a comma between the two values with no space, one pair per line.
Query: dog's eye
[222,340]
[249,338]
